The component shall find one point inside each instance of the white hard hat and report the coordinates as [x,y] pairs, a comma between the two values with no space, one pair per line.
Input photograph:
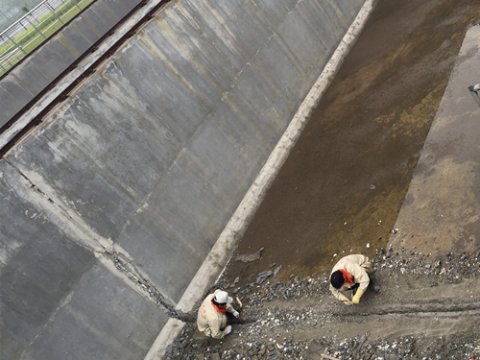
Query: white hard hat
[221,297]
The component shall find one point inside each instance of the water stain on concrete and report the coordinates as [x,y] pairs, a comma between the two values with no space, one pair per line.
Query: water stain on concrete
[344,182]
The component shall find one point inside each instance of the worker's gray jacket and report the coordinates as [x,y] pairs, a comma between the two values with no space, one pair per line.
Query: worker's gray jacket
[357,265]
[210,321]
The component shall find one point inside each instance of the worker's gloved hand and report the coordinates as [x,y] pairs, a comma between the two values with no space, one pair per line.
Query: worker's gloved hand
[344,299]
[356,298]
[227,330]
[236,314]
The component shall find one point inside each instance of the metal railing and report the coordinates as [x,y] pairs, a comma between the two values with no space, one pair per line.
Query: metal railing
[34,28]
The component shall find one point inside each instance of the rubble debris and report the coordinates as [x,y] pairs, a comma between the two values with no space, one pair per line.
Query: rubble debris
[246,258]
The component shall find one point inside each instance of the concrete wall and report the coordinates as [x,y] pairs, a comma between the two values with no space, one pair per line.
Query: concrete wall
[136,174]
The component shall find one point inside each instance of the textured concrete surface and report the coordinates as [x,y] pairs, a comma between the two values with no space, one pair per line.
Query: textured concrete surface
[135,175]
[441,212]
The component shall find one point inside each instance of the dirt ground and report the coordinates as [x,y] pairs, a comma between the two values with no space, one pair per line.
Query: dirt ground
[340,192]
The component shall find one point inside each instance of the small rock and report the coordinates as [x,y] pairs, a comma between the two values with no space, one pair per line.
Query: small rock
[277,270]
[246,258]
[263,276]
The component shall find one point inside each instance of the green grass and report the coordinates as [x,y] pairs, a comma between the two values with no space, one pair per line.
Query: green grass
[44,28]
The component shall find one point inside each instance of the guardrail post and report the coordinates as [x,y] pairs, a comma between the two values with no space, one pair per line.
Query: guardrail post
[15,43]
[76,3]
[3,68]
[54,12]
[33,25]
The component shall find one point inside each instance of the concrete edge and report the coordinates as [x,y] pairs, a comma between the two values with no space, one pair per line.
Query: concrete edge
[216,261]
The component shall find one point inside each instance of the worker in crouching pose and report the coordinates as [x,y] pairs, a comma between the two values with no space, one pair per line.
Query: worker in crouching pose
[350,274]
[216,315]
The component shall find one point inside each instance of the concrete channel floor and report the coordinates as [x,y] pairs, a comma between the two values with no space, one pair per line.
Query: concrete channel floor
[342,187]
